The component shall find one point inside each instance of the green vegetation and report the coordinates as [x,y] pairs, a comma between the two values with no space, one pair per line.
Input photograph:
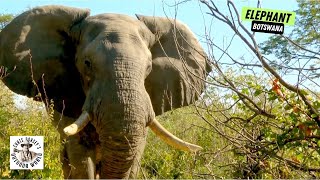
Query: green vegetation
[161,161]
[5,19]
[305,34]
[251,125]
[270,112]
[30,121]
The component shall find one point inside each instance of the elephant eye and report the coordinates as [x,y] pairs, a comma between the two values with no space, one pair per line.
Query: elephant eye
[87,63]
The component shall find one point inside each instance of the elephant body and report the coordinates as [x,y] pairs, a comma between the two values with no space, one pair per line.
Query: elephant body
[112,71]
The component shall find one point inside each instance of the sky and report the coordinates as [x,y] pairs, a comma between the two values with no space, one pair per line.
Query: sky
[191,12]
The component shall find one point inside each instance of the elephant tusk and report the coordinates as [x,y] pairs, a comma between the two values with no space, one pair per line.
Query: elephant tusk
[171,139]
[78,125]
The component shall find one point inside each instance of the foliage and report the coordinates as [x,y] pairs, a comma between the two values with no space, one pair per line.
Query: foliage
[306,34]
[33,120]
[283,145]
[161,161]
[271,115]
[237,142]
[4,20]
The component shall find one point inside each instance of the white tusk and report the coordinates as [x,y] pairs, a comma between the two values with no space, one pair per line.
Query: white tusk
[170,139]
[78,125]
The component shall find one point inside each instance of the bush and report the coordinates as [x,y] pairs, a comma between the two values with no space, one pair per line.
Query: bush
[30,119]
[161,161]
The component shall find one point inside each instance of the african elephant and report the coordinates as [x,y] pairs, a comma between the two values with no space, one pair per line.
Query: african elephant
[109,76]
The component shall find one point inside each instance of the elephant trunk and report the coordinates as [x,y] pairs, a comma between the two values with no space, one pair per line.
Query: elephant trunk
[120,119]
[123,136]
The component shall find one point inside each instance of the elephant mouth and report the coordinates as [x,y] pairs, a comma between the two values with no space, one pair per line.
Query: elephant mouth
[154,125]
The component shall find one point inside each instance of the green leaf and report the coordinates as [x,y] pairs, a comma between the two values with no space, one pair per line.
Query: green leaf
[300,156]
[257,92]
[272,97]
[304,92]
[316,104]
[245,91]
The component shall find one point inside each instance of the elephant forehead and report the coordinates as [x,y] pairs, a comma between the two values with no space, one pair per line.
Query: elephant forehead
[112,29]
[113,34]
[115,44]
[112,22]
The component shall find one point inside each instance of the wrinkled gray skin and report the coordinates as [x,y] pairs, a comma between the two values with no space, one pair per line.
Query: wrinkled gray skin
[121,70]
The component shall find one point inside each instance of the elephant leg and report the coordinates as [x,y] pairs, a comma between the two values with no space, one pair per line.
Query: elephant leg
[81,159]
[65,163]
[78,155]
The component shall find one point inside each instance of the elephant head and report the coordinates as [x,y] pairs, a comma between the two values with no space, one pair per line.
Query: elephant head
[112,71]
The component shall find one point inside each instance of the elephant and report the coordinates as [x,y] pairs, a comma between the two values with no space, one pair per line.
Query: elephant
[108,76]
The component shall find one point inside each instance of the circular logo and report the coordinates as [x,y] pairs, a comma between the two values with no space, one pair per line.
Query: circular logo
[26,152]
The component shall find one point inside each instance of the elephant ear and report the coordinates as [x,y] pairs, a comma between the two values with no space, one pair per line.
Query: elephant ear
[38,47]
[179,65]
